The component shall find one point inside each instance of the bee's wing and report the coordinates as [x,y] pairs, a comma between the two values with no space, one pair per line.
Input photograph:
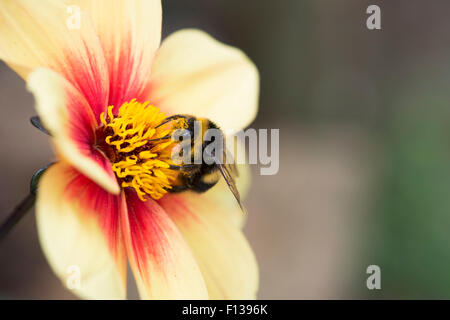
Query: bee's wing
[229,171]
[229,163]
[224,170]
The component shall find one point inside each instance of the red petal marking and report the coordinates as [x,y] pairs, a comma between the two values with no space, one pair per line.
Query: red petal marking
[87,72]
[121,79]
[128,73]
[81,126]
[148,234]
[147,221]
[93,200]
[81,121]
[160,258]
[146,95]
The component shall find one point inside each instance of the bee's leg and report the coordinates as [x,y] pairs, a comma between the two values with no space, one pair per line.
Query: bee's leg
[171,118]
[177,189]
[186,167]
[162,138]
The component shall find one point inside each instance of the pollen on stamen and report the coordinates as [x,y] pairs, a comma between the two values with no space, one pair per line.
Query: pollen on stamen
[139,147]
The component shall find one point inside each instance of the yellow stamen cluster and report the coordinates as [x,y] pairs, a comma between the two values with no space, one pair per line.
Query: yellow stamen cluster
[141,147]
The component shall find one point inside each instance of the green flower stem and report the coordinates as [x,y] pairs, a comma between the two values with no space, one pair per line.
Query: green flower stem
[17,214]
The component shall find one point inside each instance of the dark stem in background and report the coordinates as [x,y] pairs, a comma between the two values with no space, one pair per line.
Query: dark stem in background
[16,215]
[22,208]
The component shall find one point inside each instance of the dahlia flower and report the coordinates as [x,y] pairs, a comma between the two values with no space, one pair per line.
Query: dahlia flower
[91,84]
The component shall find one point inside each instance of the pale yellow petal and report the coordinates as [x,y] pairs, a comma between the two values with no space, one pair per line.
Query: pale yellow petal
[78,229]
[221,193]
[130,34]
[225,258]
[162,263]
[195,74]
[66,114]
[46,33]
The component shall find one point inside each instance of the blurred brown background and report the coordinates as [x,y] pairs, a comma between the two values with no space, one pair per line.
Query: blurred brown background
[364,148]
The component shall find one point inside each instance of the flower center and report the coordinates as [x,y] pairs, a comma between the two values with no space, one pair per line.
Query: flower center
[138,142]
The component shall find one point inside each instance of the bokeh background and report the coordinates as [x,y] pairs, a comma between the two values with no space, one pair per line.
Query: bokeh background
[364,119]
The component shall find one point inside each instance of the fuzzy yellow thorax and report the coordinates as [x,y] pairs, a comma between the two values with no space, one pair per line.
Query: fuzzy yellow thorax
[139,146]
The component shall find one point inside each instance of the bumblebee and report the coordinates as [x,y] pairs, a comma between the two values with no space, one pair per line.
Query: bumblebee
[202,176]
